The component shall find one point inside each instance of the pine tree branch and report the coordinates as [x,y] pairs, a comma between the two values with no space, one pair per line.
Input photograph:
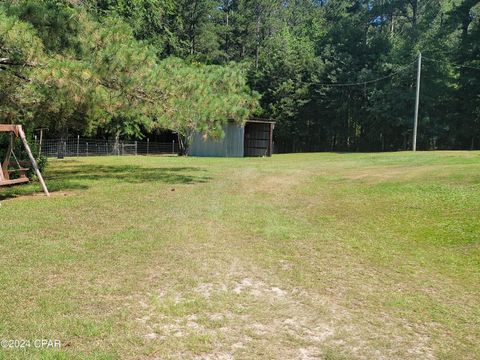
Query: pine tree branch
[9,62]
[15,73]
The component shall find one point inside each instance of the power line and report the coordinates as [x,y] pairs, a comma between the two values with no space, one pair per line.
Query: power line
[363,83]
[453,64]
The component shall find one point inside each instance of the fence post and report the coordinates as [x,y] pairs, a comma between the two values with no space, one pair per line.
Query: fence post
[40,145]
[136,148]
[60,154]
[173,146]
[148,145]
[87,148]
[123,148]
[78,145]
[65,148]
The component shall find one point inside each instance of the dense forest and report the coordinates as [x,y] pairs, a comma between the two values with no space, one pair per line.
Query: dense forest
[336,75]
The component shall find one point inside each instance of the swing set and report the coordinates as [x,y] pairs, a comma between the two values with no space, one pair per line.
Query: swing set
[16,131]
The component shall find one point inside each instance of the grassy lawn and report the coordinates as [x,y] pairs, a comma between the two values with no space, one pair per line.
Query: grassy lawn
[304,256]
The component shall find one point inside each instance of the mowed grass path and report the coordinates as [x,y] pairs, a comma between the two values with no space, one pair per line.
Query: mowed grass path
[298,256]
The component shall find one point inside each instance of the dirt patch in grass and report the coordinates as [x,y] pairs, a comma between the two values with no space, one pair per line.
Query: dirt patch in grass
[253,182]
[245,314]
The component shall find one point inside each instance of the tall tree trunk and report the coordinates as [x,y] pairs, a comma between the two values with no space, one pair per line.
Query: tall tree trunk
[257,42]
[414,13]
[392,24]
[116,144]
[227,37]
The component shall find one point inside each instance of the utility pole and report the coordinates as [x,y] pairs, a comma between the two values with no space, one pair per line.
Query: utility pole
[417,101]
[41,139]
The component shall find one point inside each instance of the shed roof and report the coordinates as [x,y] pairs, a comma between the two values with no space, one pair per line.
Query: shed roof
[260,120]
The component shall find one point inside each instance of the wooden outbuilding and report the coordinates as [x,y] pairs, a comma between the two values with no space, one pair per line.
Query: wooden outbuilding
[255,138]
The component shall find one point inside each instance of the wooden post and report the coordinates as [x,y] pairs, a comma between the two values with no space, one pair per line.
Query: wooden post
[32,160]
[9,128]
[2,178]
[6,161]
[270,140]
[41,141]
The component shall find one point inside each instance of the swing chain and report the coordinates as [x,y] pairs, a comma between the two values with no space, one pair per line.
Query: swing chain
[15,157]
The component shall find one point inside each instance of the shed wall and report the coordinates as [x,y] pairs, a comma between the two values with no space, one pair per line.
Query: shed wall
[232,144]
[257,139]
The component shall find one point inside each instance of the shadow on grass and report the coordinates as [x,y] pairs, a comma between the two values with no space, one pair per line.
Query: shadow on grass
[34,188]
[78,176]
[130,174]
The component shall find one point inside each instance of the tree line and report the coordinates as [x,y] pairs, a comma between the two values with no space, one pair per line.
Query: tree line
[336,75]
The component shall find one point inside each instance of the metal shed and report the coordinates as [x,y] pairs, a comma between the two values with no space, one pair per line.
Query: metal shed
[255,138]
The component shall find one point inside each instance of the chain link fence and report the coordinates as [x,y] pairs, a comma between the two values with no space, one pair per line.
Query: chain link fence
[95,147]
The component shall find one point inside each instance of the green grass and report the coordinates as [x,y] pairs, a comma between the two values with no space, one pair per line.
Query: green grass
[332,256]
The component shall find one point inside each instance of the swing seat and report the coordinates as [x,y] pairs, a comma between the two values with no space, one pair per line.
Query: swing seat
[22,172]
[20,180]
